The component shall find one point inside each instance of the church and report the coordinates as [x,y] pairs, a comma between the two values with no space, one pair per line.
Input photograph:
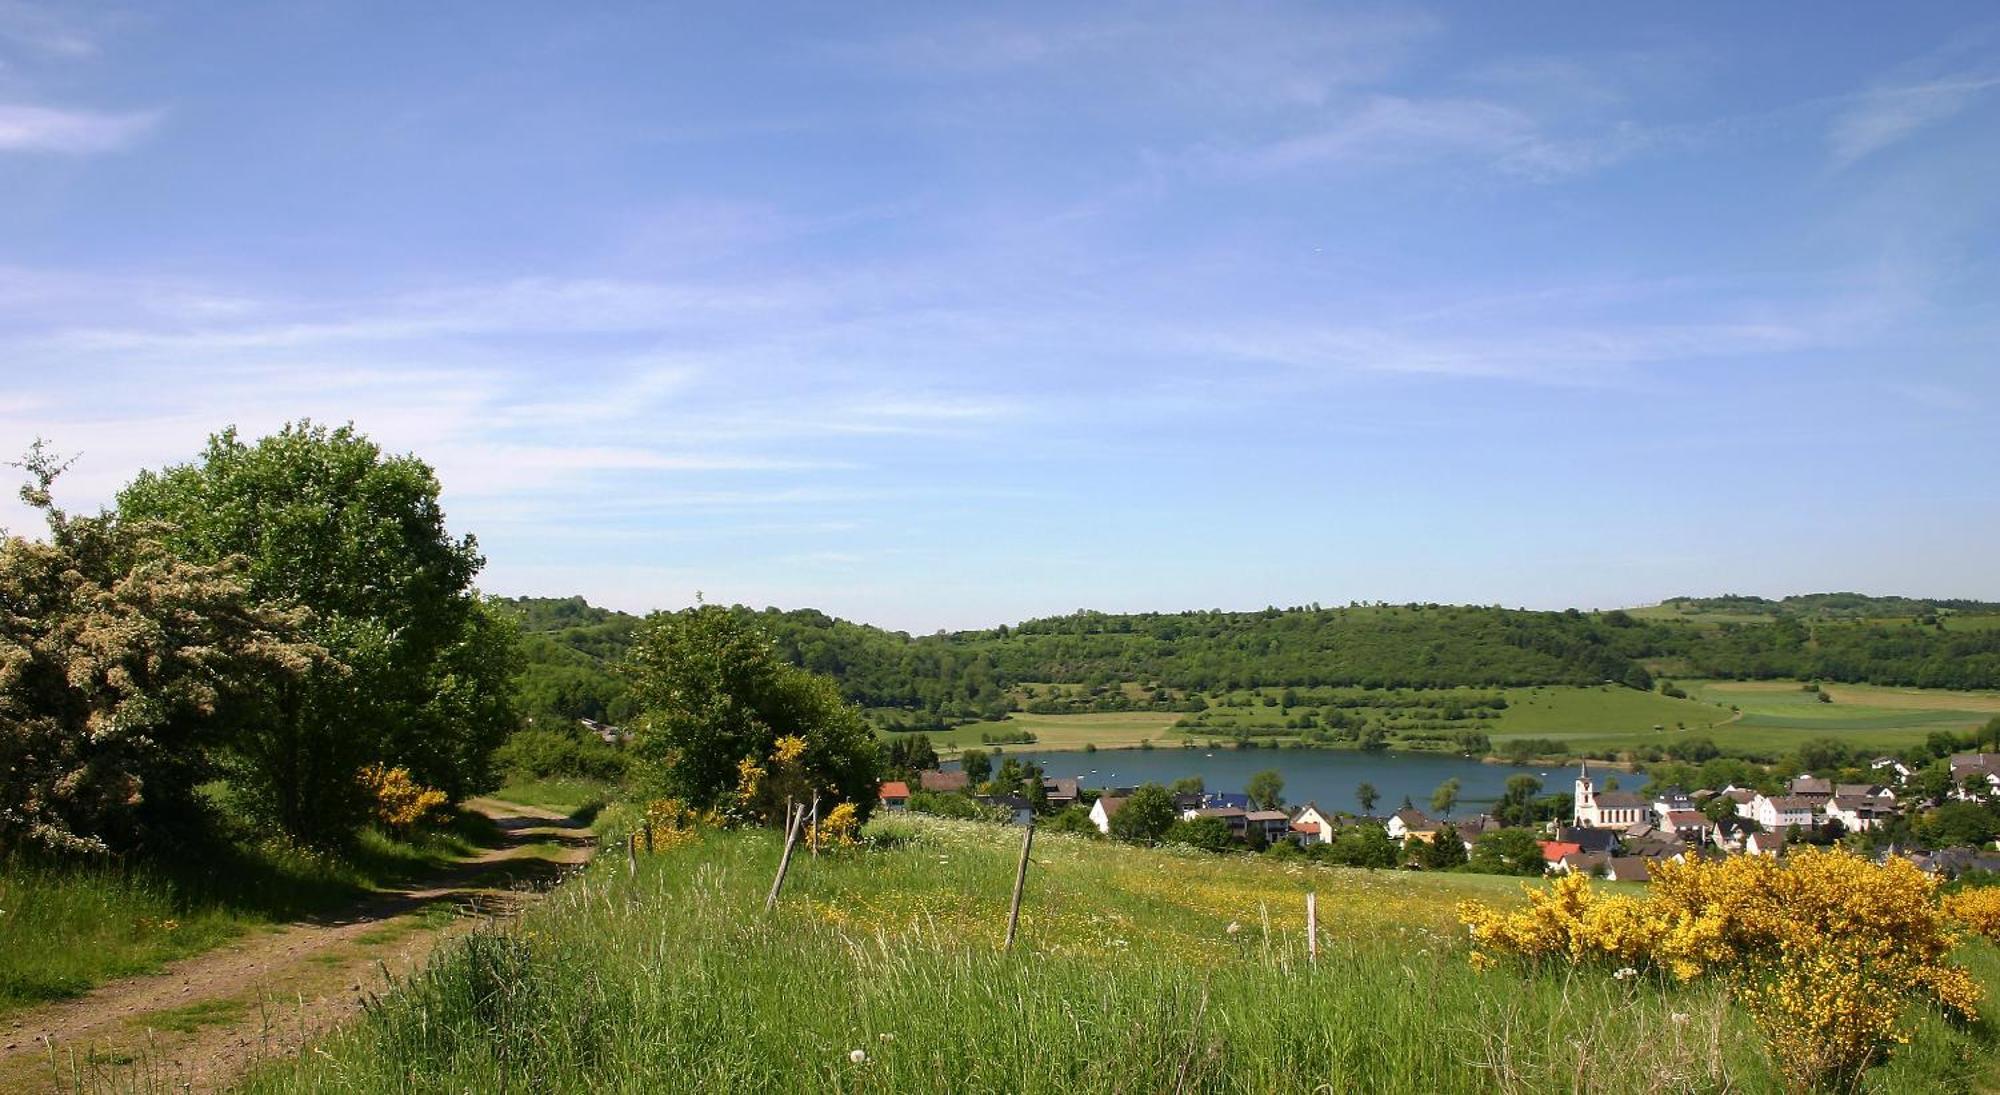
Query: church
[1606,809]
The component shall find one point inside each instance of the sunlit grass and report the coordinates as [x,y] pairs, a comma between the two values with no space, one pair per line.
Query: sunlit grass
[1135,970]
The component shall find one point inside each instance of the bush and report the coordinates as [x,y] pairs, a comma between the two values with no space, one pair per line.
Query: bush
[1824,949]
[560,754]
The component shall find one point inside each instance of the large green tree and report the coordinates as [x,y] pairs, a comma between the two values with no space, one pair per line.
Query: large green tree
[1266,789]
[324,520]
[714,693]
[1146,815]
[123,670]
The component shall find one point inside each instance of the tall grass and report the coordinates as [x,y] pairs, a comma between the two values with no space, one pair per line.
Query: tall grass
[1130,978]
[66,926]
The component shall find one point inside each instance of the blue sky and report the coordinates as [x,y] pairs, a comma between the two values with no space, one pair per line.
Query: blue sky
[942,317]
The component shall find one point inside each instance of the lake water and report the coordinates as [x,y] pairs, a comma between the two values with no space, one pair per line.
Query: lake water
[1325,776]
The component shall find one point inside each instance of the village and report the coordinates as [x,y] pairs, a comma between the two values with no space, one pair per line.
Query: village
[1611,834]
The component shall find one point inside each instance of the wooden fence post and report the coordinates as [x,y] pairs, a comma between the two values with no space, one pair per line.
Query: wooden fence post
[1020,882]
[632,853]
[649,836]
[1312,926]
[785,860]
[815,825]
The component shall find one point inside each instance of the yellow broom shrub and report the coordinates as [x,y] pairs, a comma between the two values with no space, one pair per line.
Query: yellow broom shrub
[1825,949]
[398,801]
[1977,909]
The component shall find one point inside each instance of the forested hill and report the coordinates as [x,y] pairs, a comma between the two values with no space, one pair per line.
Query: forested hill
[972,674]
[1831,606]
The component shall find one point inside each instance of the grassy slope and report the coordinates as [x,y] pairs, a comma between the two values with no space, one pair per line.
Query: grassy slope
[65,929]
[1128,977]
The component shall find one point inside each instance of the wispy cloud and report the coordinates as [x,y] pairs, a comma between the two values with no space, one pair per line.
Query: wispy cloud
[1389,130]
[42,29]
[1886,116]
[30,128]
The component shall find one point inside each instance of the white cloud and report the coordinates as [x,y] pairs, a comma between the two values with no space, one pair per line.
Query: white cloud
[1885,116]
[29,128]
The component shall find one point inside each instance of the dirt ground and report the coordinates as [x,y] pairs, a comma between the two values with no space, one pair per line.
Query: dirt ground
[201,1022]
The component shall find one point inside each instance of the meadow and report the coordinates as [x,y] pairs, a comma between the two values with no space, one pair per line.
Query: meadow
[65,928]
[1136,970]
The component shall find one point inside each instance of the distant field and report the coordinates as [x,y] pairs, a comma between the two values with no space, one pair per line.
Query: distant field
[1106,731]
[1775,717]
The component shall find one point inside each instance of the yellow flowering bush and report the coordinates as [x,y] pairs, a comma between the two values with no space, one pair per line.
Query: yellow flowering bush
[671,823]
[399,801]
[1977,909]
[838,828]
[1825,949]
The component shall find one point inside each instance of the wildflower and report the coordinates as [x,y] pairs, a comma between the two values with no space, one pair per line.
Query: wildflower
[887,1037]
[1233,928]
[859,1056]
[1625,974]
[1680,1018]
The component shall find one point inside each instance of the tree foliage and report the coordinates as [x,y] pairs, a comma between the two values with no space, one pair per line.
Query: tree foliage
[325,521]
[123,670]
[714,695]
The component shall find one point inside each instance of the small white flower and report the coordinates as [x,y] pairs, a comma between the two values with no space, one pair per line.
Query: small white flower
[859,1056]
[1680,1017]
[888,1037]
[1626,973]
[1233,928]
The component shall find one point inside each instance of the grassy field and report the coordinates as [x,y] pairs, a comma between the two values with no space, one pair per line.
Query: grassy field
[66,928]
[570,796]
[1118,729]
[1771,717]
[1136,971]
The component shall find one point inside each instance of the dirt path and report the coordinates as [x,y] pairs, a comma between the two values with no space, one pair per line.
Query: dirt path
[204,1020]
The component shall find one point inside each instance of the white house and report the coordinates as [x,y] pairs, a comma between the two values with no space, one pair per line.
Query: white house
[1102,811]
[1859,814]
[1779,813]
[1311,826]
[1607,809]
[1407,823]
[1764,844]
[1971,766]
[1890,764]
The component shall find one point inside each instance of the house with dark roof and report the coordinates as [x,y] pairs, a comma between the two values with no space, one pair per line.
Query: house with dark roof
[1104,809]
[1272,825]
[933,779]
[1408,822]
[1861,813]
[1587,839]
[1061,791]
[1019,810]
[1627,869]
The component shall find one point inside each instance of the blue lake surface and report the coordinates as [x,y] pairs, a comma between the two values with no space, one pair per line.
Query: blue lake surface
[1325,776]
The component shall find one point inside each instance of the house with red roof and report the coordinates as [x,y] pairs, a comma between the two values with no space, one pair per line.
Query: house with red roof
[895,794]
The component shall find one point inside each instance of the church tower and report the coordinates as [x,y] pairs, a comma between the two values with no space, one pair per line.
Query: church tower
[1586,795]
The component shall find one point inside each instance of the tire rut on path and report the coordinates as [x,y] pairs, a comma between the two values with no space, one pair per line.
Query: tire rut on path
[203,1021]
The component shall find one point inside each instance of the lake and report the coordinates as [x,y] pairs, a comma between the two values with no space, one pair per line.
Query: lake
[1325,776]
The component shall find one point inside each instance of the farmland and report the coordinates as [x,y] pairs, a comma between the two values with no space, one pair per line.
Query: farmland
[1770,717]
[882,971]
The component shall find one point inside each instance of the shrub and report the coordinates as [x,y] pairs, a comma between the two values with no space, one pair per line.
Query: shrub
[1825,949]
[560,754]
[1978,909]
[400,802]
